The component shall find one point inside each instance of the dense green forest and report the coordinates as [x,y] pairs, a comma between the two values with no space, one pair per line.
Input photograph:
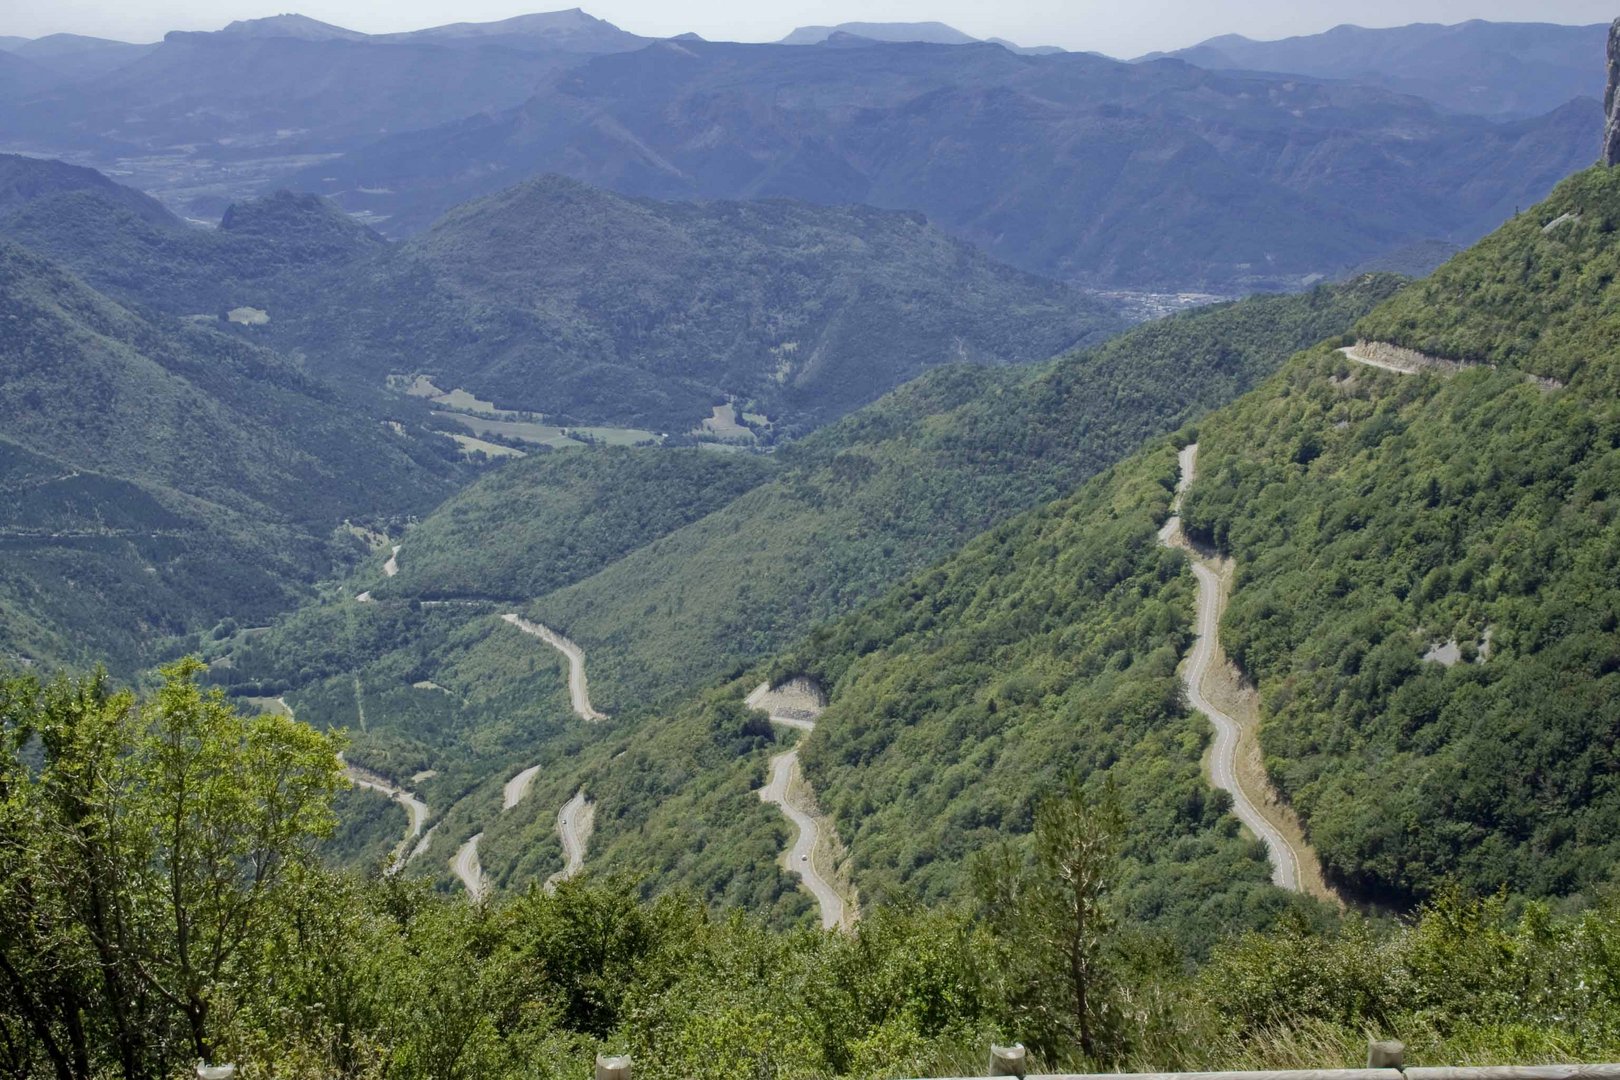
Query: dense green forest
[900,484]
[842,516]
[1046,649]
[172,474]
[1377,517]
[144,928]
[554,519]
[1537,295]
[1424,595]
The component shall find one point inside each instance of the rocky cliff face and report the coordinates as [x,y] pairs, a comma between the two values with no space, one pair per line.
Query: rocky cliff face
[1611,130]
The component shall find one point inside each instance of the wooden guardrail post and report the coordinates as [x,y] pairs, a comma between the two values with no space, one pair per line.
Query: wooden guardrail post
[1387,1054]
[1007,1060]
[612,1068]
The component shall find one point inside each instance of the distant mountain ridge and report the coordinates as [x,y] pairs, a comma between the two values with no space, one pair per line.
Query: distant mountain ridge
[1154,176]
[1503,70]
[1071,165]
[262,94]
[300,27]
[570,31]
[933,33]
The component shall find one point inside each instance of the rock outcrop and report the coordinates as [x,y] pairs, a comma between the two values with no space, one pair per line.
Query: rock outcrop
[1611,130]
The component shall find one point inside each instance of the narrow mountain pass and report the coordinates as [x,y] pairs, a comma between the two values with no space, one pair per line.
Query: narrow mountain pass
[1293,865]
[574,824]
[578,688]
[796,704]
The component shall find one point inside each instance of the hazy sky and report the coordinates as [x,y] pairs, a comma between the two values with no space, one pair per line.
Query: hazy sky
[1109,26]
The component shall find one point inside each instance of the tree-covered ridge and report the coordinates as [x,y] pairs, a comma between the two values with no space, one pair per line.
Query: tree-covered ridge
[907,480]
[1376,517]
[161,476]
[549,520]
[1540,294]
[163,906]
[586,306]
[806,311]
[1426,590]
[845,514]
[25,179]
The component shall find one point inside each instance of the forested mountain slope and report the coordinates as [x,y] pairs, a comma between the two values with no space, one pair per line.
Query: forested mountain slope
[1071,165]
[843,515]
[902,483]
[171,473]
[1377,516]
[652,312]
[550,520]
[1425,596]
[590,307]
[24,180]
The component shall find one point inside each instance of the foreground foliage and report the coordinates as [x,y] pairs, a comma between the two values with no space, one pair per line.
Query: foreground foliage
[142,850]
[178,825]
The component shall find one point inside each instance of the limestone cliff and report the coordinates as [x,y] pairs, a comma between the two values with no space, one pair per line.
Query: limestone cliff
[1611,129]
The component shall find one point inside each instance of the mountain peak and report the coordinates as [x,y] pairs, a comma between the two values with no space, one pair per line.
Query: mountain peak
[308,221]
[933,33]
[291,25]
[569,30]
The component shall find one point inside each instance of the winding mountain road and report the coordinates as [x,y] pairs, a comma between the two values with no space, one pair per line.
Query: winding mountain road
[1285,861]
[518,787]
[415,807]
[797,708]
[470,871]
[574,824]
[579,692]
[1404,361]
[1353,352]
